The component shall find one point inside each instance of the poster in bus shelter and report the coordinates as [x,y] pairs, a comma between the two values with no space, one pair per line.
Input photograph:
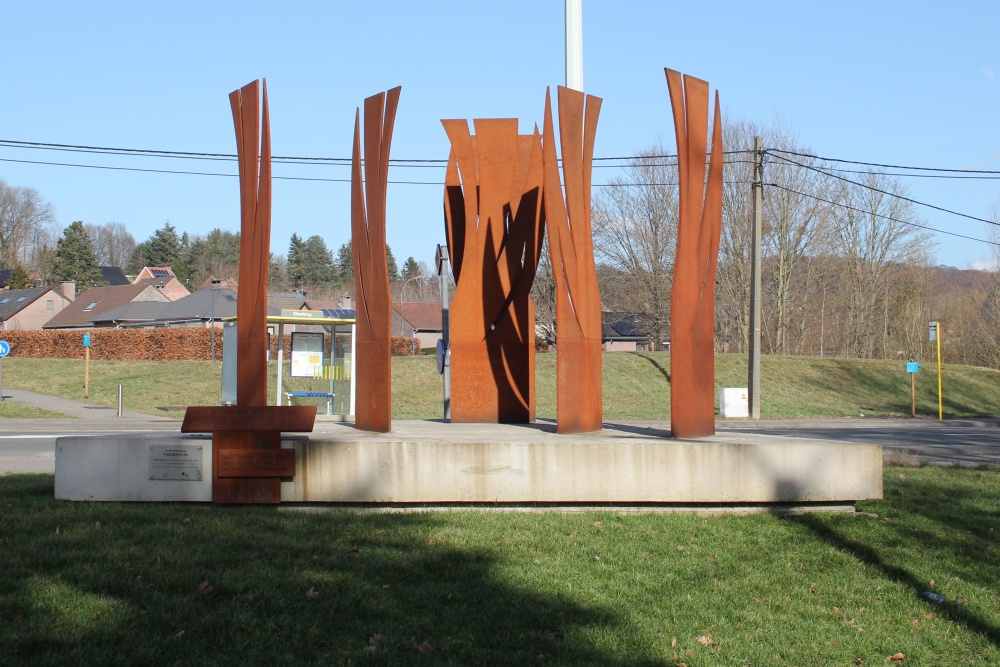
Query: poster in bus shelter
[307,355]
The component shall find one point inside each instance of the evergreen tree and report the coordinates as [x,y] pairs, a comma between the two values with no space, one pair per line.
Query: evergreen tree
[390,263]
[317,263]
[163,248]
[293,263]
[411,269]
[75,259]
[217,254]
[136,260]
[345,263]
[277,273]
[18,277]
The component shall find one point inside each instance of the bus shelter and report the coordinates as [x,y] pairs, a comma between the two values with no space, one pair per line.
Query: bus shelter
[311,358]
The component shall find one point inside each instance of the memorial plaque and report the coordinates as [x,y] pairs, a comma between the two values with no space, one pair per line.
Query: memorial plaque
[175,462]
[256,463]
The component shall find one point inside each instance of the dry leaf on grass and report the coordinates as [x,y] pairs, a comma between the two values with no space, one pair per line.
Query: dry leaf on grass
[204,588]
[704,640]
[312,593]
[425,648]
[897,657]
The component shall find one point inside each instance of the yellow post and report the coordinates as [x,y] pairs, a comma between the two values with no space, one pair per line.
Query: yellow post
[940,395]
[86,372]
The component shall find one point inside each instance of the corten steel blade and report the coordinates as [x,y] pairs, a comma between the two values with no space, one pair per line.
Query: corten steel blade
[494,224]
[692,296]
[251,426]
[373,411]
[578,300]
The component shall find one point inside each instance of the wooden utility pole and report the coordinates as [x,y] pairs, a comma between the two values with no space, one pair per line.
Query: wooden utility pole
[753,380]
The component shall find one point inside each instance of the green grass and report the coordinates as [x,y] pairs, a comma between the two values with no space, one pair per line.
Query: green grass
[635,385]
[11,410]
[123,584]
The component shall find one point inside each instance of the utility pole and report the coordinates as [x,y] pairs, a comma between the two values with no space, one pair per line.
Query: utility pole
[442,261]
[574,44]
[753,380]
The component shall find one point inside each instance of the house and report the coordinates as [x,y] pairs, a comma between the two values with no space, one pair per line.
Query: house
[628,332]
[204,308]
[294,300]
[110,275]
[29,308]
[163,279]
[80,313]
[417,319]
[212,281]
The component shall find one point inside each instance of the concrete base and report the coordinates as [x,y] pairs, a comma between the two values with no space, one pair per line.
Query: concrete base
[437,463]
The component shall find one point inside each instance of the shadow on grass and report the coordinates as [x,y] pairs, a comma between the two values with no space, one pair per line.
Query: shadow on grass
[174,584]
[656,364]
[901,575]
[939,519]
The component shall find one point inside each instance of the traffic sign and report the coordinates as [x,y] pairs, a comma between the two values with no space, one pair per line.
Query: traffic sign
[4,348]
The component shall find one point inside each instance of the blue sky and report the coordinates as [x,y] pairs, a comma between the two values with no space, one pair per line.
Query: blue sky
[909,83]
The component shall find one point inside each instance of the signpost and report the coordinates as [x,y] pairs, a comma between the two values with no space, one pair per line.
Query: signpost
[4,351]
[912,367]
[86,365]
[935,335]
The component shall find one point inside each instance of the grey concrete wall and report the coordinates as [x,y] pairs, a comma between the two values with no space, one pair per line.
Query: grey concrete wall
[535,468]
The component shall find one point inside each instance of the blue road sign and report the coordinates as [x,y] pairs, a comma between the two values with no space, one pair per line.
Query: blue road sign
[912,367]
[4,348]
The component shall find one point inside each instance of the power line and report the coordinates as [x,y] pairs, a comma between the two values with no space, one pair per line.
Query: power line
[889,194]
[201,173]
[881,166]
[194,155]
[879,215]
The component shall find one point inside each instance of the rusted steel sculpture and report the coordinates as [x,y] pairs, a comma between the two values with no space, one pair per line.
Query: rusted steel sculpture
[494,225]
[571,246]
[371,275]
[692,297]
[248,461]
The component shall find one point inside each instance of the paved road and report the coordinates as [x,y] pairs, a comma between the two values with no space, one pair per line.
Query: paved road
[27,445]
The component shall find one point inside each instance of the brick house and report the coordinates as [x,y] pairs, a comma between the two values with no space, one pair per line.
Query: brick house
[29,308]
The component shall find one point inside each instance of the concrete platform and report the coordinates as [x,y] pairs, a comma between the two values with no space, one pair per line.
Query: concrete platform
[429,463]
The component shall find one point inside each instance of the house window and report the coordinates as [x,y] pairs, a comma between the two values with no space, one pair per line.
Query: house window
[5,300]
[21,298]
[91,306]
[49,305]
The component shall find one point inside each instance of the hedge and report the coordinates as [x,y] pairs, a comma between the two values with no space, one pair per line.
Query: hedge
[165,344]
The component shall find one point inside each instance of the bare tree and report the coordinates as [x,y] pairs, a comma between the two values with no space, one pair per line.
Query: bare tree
[635,234]
[874,238]
[797,230]
[795,233]
[27,224]
[113,243]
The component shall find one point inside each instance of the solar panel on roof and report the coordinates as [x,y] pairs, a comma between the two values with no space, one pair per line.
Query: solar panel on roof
[160,273]
[339,313]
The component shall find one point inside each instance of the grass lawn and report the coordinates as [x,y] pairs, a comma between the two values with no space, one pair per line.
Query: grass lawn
[11,410]
[635,385]
[127,584]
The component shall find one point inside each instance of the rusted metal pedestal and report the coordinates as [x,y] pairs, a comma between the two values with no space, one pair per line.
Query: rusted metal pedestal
[248,461]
